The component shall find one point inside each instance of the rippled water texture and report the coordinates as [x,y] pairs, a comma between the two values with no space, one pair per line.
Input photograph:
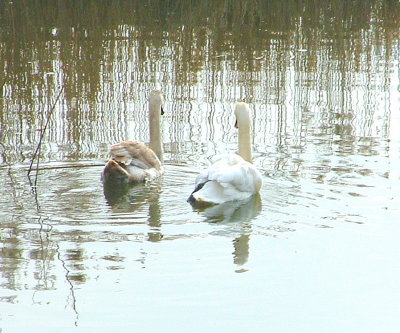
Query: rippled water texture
[316,251]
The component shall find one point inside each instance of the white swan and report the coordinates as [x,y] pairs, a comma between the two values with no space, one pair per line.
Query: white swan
[133,161]
[231,177]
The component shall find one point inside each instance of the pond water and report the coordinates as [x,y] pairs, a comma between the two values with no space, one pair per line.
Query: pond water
[316,251]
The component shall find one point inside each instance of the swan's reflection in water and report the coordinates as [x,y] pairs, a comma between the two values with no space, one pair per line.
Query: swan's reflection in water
[114,193]
[140,198]
[230,219]
[237,215]
[241,249]
[232,211]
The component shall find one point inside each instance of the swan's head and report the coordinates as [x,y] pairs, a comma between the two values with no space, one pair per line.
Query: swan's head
[157,98]
[242,114]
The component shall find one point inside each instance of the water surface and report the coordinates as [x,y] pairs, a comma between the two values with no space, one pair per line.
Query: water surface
[316,251]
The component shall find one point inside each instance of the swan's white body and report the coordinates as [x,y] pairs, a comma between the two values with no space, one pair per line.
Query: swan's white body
[231,177]
[133,161]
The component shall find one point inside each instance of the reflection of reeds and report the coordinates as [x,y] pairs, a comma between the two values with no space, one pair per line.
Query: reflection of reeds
[239,49]
[196,31]
[36,154]
[238,29]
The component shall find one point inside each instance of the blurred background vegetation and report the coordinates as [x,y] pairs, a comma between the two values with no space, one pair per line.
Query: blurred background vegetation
[83,34]
[101,51]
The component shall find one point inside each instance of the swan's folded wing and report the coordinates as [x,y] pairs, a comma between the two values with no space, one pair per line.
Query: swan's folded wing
[135,153]
[242,176]
[220,163]
[225,186]
[229,178]
[202,177]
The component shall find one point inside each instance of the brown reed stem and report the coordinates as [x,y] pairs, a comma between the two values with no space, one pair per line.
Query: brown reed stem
[36,154]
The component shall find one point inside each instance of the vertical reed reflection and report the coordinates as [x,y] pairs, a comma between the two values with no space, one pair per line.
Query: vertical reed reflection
[283,55]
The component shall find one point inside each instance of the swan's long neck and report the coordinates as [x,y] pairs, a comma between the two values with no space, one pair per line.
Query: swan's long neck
[245,143]
[244,126]
[155,131]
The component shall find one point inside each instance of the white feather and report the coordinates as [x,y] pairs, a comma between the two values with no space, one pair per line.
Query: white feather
[229,178]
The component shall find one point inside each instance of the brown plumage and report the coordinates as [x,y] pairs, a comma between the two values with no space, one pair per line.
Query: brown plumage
[133,161]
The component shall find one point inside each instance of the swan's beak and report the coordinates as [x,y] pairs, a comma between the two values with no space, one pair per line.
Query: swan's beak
[236,124]
[162,111]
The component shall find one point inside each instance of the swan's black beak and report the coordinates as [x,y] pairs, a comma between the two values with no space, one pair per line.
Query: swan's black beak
[162,111]
[236,124]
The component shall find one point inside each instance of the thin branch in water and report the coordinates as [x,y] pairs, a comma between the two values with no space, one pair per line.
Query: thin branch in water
[71,286]
[36,154]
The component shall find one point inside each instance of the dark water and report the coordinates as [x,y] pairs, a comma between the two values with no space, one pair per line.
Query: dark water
[316,251]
